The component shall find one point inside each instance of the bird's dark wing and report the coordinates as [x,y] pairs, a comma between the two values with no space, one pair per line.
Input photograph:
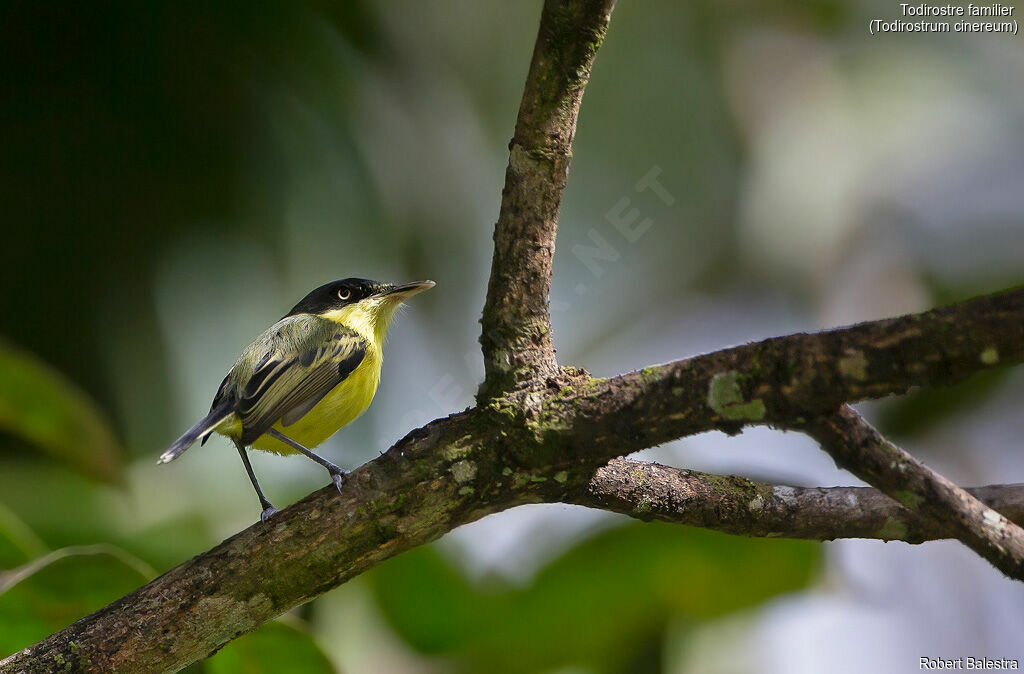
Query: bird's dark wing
[218,399]
[286,386]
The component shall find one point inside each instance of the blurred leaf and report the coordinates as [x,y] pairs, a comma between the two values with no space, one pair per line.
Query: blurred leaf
[62,508]
[46,410]
[56,589]
[275,647]
[601,604]
[921,409]
[18,543]
[58,503]
[357,21]
[166,543]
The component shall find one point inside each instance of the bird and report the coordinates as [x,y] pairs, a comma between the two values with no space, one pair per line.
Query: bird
[309,374]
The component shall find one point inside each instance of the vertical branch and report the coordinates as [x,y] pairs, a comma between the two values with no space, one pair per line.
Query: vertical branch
[859,448]
[516,336]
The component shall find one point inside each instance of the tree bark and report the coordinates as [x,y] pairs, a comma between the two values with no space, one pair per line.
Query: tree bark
[516,336]
[743,507]
[859,448]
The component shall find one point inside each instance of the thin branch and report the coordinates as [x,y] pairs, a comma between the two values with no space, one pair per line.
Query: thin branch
[858,447]
[736,505]
[516,336]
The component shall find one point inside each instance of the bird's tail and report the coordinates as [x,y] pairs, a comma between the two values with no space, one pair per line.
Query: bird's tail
[200,430]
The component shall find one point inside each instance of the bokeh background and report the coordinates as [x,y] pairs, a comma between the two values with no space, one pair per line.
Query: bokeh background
[175,175]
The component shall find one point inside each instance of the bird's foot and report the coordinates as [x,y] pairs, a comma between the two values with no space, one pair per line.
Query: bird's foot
[338,477]
[268,512]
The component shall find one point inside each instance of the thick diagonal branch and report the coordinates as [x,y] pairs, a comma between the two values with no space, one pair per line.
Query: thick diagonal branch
[788,379]
[404,498]
[458,469]
[516,336]
[737,505]
[858,447]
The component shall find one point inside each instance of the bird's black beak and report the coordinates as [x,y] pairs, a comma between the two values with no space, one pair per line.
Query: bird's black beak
[405,290]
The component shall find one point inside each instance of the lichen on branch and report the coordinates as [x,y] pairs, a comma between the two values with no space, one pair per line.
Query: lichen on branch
[740,506]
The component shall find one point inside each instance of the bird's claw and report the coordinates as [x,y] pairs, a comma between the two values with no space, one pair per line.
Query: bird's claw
[268,512]
[338,478]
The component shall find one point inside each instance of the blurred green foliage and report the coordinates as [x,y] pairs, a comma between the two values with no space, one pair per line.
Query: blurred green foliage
[18,543]
[49,413]
[56,589]
[922,409]
[276,647]
[600,604]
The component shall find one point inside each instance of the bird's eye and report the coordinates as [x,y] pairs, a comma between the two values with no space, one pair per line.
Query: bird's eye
[344,293]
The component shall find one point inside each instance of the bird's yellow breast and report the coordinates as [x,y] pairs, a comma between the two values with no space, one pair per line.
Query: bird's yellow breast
[341,406]
[344,402]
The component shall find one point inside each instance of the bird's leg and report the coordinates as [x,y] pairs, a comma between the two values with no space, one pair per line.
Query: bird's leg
[337,474]
[268,509]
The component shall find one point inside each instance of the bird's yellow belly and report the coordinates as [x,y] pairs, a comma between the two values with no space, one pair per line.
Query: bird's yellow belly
[341,406]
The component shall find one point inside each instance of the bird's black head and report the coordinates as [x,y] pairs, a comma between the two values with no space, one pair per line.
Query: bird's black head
[337,294]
